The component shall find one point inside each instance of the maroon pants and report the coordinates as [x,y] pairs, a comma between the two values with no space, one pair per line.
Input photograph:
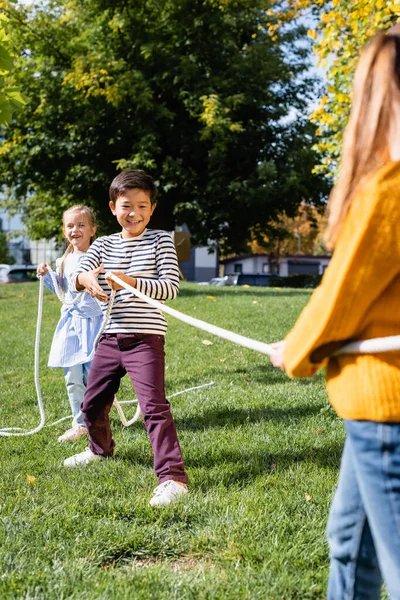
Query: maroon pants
[142,357]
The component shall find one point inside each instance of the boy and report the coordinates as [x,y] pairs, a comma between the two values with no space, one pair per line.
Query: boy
[133,340]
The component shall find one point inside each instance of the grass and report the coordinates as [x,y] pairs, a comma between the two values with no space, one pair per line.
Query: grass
[262,453]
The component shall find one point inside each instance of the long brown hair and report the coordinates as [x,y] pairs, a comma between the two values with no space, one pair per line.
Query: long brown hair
[366,138]
[86,210]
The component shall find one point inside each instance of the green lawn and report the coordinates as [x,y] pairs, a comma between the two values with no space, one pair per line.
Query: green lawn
[262,453]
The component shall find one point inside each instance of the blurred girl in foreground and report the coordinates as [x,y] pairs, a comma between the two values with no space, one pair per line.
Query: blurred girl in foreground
[359,298]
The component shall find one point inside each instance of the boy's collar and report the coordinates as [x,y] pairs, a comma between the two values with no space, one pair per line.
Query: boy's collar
[131,239]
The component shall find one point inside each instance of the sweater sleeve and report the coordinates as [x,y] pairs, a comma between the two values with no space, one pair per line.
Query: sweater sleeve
[166,287]
[365,262]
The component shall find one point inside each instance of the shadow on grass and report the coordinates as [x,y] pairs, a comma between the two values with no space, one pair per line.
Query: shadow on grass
[235,466]
[230,418]
[230,466]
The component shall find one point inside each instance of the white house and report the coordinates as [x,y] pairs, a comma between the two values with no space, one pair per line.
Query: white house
[290,264]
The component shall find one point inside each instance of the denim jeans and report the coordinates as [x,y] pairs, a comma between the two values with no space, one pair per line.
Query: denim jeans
[364,522]
[75,381]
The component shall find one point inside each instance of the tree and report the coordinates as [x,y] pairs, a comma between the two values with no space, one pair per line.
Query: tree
[301,234]
[201,94]
[11,99]
[5,257]
[342,28]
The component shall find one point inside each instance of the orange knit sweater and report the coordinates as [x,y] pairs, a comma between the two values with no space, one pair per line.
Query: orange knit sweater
[358,299]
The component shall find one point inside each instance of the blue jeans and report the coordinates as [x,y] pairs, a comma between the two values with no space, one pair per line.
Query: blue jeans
[364,522]
[75,381]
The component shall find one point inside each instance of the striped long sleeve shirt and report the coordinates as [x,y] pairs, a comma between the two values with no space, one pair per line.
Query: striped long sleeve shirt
[151,259]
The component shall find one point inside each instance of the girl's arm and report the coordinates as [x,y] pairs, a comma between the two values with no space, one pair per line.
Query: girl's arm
[43,271]
[365,262]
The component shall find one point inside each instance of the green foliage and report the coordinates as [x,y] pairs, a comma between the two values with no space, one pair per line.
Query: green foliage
[11,98]
[262,453]
[198,93]
[343,27]
[5,257]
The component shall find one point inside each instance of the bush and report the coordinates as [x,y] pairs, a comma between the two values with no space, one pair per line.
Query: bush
[295,281]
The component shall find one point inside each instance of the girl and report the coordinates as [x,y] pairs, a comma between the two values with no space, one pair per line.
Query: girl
[359,299]
[73,342]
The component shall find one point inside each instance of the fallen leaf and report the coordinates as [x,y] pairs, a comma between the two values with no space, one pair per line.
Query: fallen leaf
[30,479]
[207,343]
[307,497]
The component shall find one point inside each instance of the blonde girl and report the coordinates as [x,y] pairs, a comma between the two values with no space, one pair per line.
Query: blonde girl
[73,343]
[359,298]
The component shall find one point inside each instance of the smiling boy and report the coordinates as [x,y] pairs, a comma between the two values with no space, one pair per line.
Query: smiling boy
[133,339]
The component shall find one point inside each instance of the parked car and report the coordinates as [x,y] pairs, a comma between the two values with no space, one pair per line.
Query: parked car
[227,280]
[17,273]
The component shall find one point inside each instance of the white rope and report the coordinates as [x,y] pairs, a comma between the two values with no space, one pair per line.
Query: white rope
[375,345]
[7,431]
[191,389]
[241,340]
[60,293]
[136,417]
[138,413]
[386,344]
[18,431]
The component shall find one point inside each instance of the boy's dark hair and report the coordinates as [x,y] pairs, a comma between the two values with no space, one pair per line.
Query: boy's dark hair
[131,180]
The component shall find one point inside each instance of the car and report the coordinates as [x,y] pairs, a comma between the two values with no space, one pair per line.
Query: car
[17,273]
[226,280]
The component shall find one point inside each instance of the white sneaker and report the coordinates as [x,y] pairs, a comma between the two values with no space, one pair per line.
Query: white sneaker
[167,493]
[73,434]
[83,458]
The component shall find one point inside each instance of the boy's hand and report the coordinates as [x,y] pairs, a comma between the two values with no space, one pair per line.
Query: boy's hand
[116,286]
[42,268]
[88,281]
[277,357]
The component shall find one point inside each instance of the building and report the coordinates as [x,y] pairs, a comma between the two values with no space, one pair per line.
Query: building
[256,264]
[24,250]
[197,263]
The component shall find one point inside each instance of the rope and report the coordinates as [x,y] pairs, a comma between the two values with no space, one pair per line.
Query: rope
[386,344]
[18,431]
[7,431]
[60,293]
[138,413]
[375,345]
[241,340]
